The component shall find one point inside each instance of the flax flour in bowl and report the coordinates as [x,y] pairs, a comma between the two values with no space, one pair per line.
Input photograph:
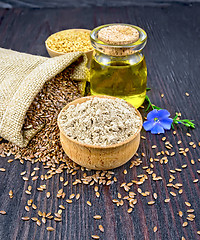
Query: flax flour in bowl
[100,132]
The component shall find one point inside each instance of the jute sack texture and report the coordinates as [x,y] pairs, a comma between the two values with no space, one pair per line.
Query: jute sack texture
[22,76]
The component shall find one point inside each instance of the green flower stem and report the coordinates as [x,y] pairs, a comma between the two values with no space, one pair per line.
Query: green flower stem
[185,122]
[150,104]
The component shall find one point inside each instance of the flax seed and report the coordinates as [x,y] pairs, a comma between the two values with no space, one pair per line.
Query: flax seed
[173,194]
[95,237]
[50,229]
[101,228]
[25,218]
[155,229]
[188,204]
[34,206]
[2,212]
[151,202]
[97,217]
[180,213]
[185,224]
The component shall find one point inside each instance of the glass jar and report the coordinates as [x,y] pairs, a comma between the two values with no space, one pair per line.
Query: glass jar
[119,70]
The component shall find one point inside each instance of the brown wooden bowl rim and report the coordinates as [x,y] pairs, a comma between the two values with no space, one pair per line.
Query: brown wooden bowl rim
[62,53]
[76,101]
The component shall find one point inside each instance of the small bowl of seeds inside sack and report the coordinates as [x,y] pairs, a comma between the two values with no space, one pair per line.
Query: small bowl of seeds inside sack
[71,40]
[100,132]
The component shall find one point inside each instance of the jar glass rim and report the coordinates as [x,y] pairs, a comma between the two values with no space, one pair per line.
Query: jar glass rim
[141,42]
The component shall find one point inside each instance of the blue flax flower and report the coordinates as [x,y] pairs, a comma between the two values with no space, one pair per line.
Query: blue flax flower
[157,121]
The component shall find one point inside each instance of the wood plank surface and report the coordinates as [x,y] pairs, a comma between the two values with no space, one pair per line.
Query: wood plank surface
[172,55]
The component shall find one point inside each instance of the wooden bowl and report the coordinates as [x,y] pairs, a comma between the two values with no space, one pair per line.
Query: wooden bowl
[53,53]
[99,157]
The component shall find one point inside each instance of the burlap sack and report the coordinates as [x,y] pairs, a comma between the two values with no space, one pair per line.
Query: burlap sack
[21,78]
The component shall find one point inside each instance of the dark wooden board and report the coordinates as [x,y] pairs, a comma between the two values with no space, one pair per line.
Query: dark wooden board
[173,61]
[88,3]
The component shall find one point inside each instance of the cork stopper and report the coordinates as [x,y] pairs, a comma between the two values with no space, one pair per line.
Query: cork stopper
[118,34]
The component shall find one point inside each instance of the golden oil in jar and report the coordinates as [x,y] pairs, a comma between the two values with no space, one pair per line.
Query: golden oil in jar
[118,66]
[123,79]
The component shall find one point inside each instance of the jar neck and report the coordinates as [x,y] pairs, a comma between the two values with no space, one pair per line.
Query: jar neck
[107,59]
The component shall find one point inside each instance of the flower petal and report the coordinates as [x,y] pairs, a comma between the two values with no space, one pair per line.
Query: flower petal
[148,125]
[162,114]
[166,123]
[151,115]
[157,128]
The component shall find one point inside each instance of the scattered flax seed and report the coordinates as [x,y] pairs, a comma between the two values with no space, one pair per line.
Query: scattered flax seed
[151,202]
[60,211]
[143,137]
[38,222]
[66,183]
[57,215]
[188,134]
[190,210]
[97,217]
[130,210]
[2,169]
[25,218]
[27,208]
[198,232]
[188,204]
[162,95]
[72,196]
[69,201]
[97,194]
[95,237]
[34,206]
[28,192]
[192,162]
[195,180]
[25,178]
[57,219]
[180,191]
[48,194]
[77,196]
[34,219]
[34,178]
[180,213]
[101,228]
[184,166]
[11,194]
[185,224]
[50,229]
[183,238]
[187,94]
[154,146]
[155,229]
[167,200]
[179,142]
[155,195]
[125,171]
[2,212]
[173,194]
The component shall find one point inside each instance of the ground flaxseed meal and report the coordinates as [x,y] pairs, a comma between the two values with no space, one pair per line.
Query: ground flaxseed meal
[100,121]
[70,41]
